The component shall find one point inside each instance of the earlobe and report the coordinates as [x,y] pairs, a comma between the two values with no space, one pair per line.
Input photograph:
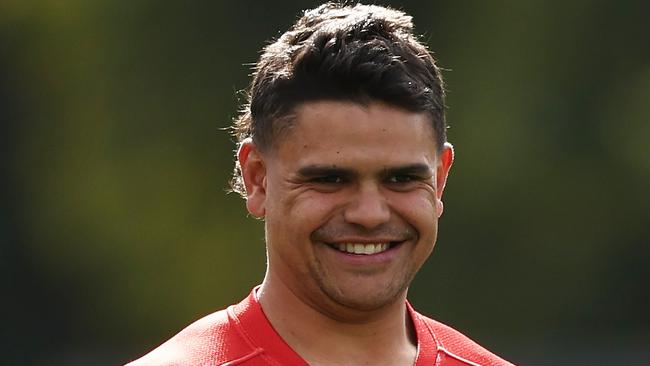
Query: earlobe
[253,171]
[445,162]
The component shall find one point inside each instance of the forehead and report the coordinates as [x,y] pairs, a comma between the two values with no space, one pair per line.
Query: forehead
[345,130]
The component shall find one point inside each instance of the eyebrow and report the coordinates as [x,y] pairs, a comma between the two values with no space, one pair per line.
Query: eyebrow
[311,171]
[418,169]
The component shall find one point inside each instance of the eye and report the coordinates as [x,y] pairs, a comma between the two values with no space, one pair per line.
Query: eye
[402,182]
[328,179]
[401,178]
[327,183]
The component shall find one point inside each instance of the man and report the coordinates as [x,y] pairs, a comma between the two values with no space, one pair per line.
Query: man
[343,152]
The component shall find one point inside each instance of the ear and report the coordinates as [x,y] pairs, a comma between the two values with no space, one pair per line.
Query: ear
[253,171]
[445,160]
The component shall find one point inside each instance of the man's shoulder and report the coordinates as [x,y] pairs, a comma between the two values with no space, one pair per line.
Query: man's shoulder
[212,339]
[456,346]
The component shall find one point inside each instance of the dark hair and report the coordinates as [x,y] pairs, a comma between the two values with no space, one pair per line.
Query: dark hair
[354,53]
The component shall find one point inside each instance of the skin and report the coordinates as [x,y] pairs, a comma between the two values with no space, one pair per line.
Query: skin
[346,173]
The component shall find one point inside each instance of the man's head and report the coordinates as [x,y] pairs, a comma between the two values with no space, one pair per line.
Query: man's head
[342,150]
[355,53]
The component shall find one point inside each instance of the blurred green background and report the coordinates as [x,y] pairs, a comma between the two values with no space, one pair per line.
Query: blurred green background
[115,227]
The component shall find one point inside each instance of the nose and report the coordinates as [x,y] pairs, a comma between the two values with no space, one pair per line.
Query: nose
[368,208]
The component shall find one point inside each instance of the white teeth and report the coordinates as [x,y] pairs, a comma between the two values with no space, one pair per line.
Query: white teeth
[361,248]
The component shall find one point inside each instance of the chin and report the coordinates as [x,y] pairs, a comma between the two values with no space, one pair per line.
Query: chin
[367,300]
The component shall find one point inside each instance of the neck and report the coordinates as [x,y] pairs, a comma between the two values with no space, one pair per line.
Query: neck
[340,335]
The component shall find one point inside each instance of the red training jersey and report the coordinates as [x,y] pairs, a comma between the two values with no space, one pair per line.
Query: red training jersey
[242,335]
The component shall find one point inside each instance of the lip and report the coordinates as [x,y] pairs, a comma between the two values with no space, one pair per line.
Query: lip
[365,240]
[365,260]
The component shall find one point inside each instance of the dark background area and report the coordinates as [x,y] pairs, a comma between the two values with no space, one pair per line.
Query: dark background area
[116,231]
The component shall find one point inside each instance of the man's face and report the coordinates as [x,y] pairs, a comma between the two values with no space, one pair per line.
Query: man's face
[351,198]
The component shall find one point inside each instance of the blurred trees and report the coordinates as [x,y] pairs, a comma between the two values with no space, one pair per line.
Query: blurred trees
[116,230]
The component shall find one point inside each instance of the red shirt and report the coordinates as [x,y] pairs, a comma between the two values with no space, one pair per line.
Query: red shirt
[242,335]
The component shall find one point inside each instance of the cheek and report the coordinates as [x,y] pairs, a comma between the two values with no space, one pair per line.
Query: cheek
[418,202]
[419,210]
[313,203]
[308,211]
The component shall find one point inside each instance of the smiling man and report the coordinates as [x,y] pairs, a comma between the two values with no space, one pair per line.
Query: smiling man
[343,153]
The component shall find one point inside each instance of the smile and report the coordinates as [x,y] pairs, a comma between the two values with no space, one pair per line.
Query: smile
[362,248]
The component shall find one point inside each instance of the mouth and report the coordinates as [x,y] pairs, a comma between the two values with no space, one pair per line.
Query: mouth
[364,248]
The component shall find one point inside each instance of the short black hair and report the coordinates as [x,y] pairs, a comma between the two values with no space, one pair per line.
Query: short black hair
[356,53]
